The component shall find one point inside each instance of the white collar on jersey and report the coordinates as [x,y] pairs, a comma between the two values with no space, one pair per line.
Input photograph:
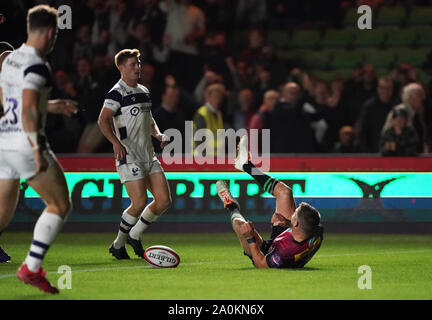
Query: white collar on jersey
[30,49]
[126,85]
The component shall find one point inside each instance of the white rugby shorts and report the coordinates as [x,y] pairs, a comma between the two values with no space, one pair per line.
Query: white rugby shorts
[138,170]
[16,164]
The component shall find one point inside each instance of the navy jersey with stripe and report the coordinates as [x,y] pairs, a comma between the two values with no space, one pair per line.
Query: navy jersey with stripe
[23,69]
[132,121]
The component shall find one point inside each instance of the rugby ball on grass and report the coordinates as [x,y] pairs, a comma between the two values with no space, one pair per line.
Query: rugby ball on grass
[161,257]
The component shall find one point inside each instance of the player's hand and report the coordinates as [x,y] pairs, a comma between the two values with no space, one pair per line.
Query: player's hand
[63,106]
[119,151]
[41,162]
[247,230]
[164,139]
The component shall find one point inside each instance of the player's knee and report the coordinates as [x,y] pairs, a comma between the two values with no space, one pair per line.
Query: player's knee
[3,222]
[282,190]
[163,203]
[61,207]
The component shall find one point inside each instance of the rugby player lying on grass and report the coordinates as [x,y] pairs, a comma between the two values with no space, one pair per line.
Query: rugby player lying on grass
[296,233]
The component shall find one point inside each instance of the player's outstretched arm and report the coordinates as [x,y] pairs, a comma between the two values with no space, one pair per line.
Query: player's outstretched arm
[66,107]
[247,231]
[106,126]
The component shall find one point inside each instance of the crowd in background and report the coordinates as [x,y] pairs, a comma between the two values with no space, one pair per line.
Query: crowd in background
[195,72]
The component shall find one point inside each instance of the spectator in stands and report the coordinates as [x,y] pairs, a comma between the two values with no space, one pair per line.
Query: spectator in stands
[215,53]
[150,12]
[315,109]
[140,39]
[90,97]
[187,102]
[209,77]
[219,14]
[63,133]
[169,115]
[413,97]
[271,61]
[373,116]
[360,90]
[337,113]
[345,144]
[263,118]
[254,52]
[244,109]
[400,139]
[289,120]
[184,30]
[104,46]
[209,116]
[83,45]
[263,83]
[250,12]
[241,73]
[153,81]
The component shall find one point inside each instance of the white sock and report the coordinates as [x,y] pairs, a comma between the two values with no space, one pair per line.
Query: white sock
[235,214]
[45,231]
[127,222]
[146,219]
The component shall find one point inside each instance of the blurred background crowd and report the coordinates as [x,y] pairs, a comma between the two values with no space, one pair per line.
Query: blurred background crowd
[300,68]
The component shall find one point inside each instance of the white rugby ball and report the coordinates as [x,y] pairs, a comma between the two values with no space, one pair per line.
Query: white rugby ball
[161,257]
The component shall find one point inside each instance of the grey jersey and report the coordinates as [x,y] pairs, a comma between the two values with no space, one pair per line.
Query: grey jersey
[133,121]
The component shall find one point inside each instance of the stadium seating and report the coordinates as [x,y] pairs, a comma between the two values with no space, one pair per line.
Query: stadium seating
[280,38]
[399,35]
[371,38]
[312,59]
[341,38]
[378,58]
[420,16]
[401,38]
[350,18]
[304,39]
[343,59]
[390,16]
[415,57]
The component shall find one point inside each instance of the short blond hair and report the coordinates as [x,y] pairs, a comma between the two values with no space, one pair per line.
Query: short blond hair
[125,54]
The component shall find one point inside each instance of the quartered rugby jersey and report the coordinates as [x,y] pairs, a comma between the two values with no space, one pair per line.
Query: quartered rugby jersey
[23,69]
[286,252]
[133,121]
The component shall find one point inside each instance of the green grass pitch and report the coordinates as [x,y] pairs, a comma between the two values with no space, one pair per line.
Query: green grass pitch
[213,268]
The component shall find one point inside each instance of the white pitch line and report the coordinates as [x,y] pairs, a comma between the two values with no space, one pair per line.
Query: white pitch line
[232,261]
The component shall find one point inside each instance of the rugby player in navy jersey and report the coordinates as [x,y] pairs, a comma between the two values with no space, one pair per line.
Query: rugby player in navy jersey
[127,122]
[296,233]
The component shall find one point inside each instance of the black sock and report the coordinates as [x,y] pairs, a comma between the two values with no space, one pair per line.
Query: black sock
[266,182]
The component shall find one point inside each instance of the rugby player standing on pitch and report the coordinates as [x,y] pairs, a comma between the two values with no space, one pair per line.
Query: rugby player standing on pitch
[296,233]
[25,83]
[127,122]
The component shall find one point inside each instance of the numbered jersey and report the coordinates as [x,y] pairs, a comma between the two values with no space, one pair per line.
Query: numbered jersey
[132,121]
[23,69]
[286,252]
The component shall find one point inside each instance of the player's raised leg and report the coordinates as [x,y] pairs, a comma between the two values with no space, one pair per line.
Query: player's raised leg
[158,186]
[52,187]
[285,204]
[9,194]
[137,192]
[237,219]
